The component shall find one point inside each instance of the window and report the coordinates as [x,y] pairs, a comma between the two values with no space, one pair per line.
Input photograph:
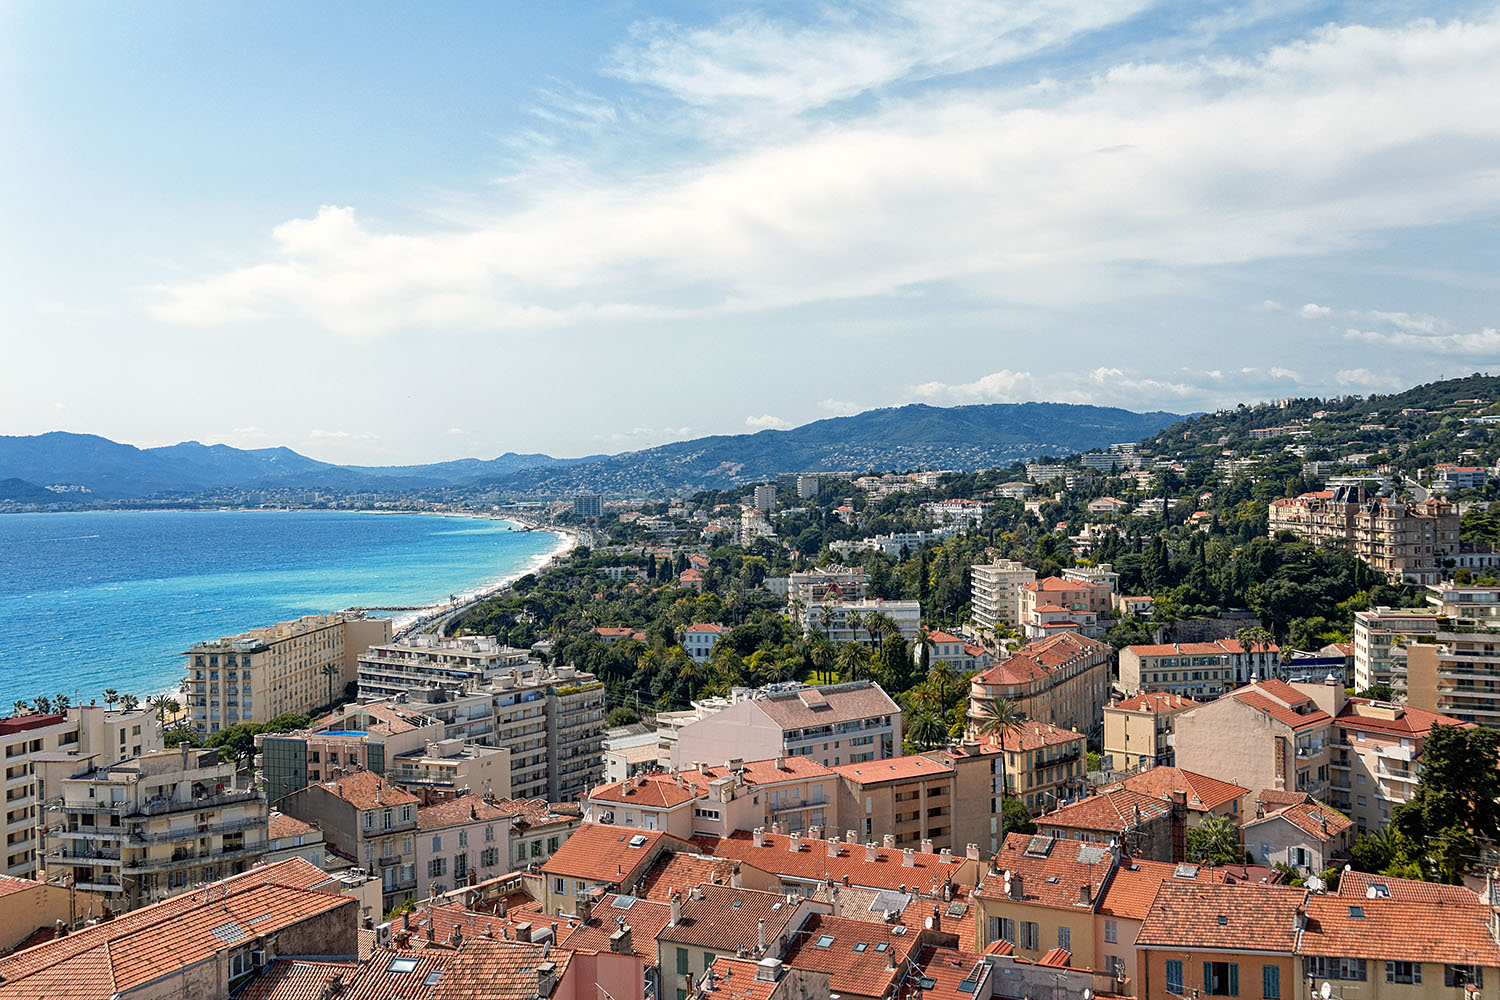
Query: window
[1111,931]
[463,838]
[1270,982]
[1462,975]
[1221,979]
[1065,938]
[1002,929]
[1030,935]
[1174,976]
[682,961]
[1115,966]
[557,886]
[1324,967]
[489,834]
[708,960]
[489,857]
[536,847]
[1403,972]
[437,867]
[551,846]
[437,843]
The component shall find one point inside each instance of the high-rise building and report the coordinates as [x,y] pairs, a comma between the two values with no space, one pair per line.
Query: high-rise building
[765,497]
[807,487]
[588,505]
[1456,670]
[997,592]
[295,667]
[1380,636]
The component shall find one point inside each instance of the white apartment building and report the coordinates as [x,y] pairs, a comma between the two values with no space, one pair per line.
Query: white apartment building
[460,842]
[839,583]
[807,487]
[1380,637]
[844,621]
[700,638]
[893,544]
[997,592]
[288,667]
[836,724]
[765,497]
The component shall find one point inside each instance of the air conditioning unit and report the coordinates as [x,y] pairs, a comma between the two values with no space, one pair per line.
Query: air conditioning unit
[383,934]
[258,958]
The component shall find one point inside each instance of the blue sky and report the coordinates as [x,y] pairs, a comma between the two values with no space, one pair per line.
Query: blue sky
[380,233]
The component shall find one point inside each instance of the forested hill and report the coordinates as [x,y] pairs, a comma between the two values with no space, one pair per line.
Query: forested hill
[1408,430]
[962,438]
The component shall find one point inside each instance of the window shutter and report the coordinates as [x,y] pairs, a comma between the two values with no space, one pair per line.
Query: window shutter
[1208,977]
[1234,979]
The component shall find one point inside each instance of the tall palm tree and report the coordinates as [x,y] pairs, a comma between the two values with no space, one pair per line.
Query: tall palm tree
[821,654]
[111,696]
[925,646]
[128,702]
[165,705]
[330,670]
[853,621]
[997,717]
[1215,841]
[825,618]
[43,704]
[61,702]
[19,707]
[927,729]
[852,662]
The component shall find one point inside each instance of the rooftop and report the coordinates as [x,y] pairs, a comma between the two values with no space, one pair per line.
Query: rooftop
[1047,871]
[460,811]
[1217,916]
[1204,794]
[720,918]
[893,769]
[671,873]
[606,854]
[1155,702]
[860,957]
[644,917]
[1111,810]
[812,862]
[368,790]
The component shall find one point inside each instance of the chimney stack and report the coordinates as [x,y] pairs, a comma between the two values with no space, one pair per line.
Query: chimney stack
[676,912]
[833,847]
[794,843]
[768,970]
[870,851]
[584,909]
[735,881]
[926,845]
[619,941]
[908,858]
[890,840]
[1085,895]
[760,935]
[1013,885]
[758,836]
[972,852]
[546,979]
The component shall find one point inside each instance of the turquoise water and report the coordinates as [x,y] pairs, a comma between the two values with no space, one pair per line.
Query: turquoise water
[90,601]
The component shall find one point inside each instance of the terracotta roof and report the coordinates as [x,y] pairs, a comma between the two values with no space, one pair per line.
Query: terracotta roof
[1355,885]
[1155,702]
[282,826]
[1135,883]
[460,811]
[823,706]
[1053,609]
[644,918]
[1281,713]
[1220,647]
[1204,794]
[649,791]
[707,628]
[1401,930]
[671,873]
[162,939]
[1057,958]
[1322,823]
[947,968]
[604,853]
[1057,584]
[892,769]
[1111,810]
[1214,916]
[1052,872]
[368,790]
[532,813]
[760,772]
[937,636]
[811,861]
[1038,658]
[487,969]
[832,945]
[10,884]
[721,918]
[1409,722]
[734,979]
[1030,734]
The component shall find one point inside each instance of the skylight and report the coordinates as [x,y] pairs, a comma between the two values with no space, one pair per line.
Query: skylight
[402,965]
[825,941]
[927,982]
[433,977]
[882,946]
[861,946]
[1357,912]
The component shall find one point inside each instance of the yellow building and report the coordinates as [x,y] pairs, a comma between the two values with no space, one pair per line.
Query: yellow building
[295,667]
[1138,731]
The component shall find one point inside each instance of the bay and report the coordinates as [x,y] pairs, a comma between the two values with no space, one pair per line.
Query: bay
[90,601]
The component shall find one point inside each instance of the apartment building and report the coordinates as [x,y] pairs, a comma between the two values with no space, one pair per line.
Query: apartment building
[1061,679]
[1267,735]
[153,826]
[794,793]
[827,583]
[356,738]
[700,638]
[835,724]
[538,829]
[1406,542]
[844,621]
[296,666]
[461,841]
[1044,764]
[369,821]
[1138,731]
[550,719]
[1456,670]
[1380,638]
[39,748]
[996,589]
[1201,670]
[1057,605]
[1377,759]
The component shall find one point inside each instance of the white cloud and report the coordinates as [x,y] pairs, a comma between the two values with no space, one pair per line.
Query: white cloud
[1302,150]
[1314,311]
[764,421]
[1363,378]
[1478,342]
[839,407]
[455,431]
[1277,372]
[321,434]
[1103,386]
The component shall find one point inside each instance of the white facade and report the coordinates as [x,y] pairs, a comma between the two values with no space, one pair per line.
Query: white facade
[833,619]
[997,591]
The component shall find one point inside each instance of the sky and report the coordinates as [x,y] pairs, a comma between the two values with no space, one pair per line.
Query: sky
[388,233]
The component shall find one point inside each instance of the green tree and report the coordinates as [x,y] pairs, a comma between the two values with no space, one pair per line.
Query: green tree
[997,717]
[111,696]
[330,671]
[1215,841]
[927,730]
[1015,817]
[19,707]
[128,702]
[622,715]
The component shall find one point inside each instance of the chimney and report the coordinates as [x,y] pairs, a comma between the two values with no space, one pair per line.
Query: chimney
[890,840]
[676,915]
[946,854]
[926,845]
[833,846]
[794,843]
[546,979]
[851,837]
[584,909]
[1085,895]
[908,858]
[781,763]
[758,836]
[760,935]
[1013,881]
[870,851]
[890,959]
[768,970]
[815,833]
[619,941]
[406,920]
[735,881]
[972,852]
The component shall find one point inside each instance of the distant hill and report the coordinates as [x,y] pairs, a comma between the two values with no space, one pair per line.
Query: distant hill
[20,491]
[960,437]
[957,437]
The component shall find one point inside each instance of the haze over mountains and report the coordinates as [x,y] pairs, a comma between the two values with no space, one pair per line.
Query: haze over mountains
[961,437]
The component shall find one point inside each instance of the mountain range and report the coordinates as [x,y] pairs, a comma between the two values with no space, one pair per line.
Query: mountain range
[959,437]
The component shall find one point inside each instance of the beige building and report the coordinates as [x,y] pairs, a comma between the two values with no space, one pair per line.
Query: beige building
[1062,680]
[1406,542]
[1303,833]
[368,821]
[1138,732]
[40,748]
[154,826]
[460,842]
[538,829]
[1380,639]
[28,907]
[835,724]
[996,589]
[1456,671]
[1377,760]
[1044,764]
[1268,735]
[1201,670]
[294,667]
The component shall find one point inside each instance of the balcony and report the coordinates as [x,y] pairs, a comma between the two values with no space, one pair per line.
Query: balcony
[786,807]
[85,857]
[196,831]
[177,860]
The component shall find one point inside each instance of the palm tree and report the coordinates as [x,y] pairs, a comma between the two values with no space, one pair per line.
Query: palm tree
[825,618]
[927,729]
[331,670]
[128,702]
[20,708]
[820,653]
[1254,639]
[1215,841]
[853,621]
[43,704]
[925,646]
[61,702]
[881,626]
[852,662]
[111,696]
[997,717]
[165,705]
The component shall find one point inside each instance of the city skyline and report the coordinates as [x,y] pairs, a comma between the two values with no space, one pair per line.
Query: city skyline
[369,237]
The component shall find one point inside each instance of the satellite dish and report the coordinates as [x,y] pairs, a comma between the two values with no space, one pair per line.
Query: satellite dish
[1348,868]
[1087,993]
[1326,990]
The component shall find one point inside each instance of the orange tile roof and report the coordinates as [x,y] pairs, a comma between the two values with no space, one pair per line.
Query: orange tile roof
[1252,697]
[671,873]
[864,972]
[162,939]
[604,853]
[760,772]
[1219,647]
[928,873]
[1040,657]
[1216,916]
[1156,702]
[487,969]
[1355,885]
[368,790]
[1409,721]
[1204,794]
[1030,734]
[720,918]
[281,826]
[1111,810]
[1052,872]
[892,769]
[1401,930]
[533,813]
[644,918]
[947,968]
[936,636]
[1057,958]
[459,811]
[734,979]
[1135,883]
[1322,823]
[648,791]
[10,884]
[707,628]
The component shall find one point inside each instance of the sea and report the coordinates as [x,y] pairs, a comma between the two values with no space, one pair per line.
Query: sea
[90,601]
